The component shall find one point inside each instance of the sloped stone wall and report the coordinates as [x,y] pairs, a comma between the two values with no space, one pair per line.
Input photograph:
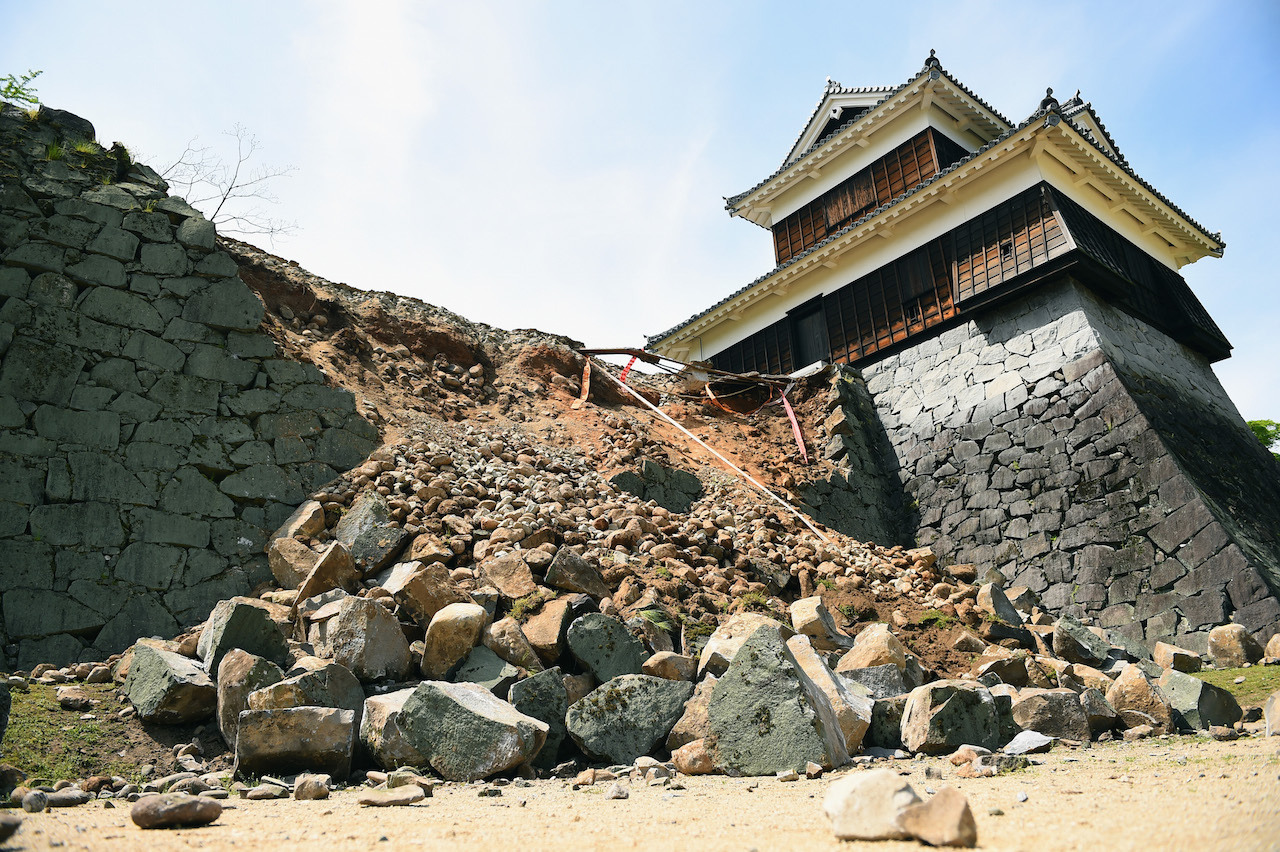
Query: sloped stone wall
[150,437]
[1091,458]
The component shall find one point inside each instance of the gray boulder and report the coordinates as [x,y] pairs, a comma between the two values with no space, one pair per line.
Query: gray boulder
[571,572]
[239,674]
[169,688]
[728,638]
[295,739]
[886,723]
[368,532]
[1054,713]
[366,639]
[245,624]
[884,681]
[762,718]
[382,732]
[605,647]
[627,717]
[466,733]
[1197,705]
[1101,715]
[327,685]
[1075,643]
[940,717]
[486,668]
[544,697]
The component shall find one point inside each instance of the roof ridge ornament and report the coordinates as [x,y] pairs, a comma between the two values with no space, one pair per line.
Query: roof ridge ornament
[933,65]
[1049,104]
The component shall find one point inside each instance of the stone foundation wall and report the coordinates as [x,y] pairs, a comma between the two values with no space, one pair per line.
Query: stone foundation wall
[1090,457]
[150,438]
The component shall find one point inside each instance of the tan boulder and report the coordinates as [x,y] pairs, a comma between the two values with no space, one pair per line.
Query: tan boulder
[430,549]
[694,758]
[1273,647]
[545,630]
[507,640]
[307,521]
[290,561]
[509,574]
[810,617]
[334,569]
[869,805]
[850,711]
[944,820]
[451,635]
[1231,646]
[670,666]
[695,723]
[422,589]
[1137,701]
[1172,657]
[874,646]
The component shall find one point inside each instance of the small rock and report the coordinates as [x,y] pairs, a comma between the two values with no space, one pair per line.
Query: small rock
[788,775]
[174,809]
[1029,742]
[73,698]
[68,797]
[9,825]
[35,801]
[311,787]
[266,792]
[944,820]
[694,758]
[869,805]
[812,771]
[617,790]
[407,795]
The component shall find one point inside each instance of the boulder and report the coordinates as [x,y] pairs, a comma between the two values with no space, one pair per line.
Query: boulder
[239,674]
[1053,712]
[168,688]
[728,638]
[382,732]
[422,589]
[366,639]
[1098,711]
[1197,705]
[694,723]
[886,723]
[875,645]
[466,733]
[547,628]
[941,716]
[1273,647]
[627,716]
[849,712]
[571,572]
[883,681]
[762,718]
[487,669]
[454,630]
[1231,646]
[245,624]
[327,684]
[869,805]
[509,574]
[295,739]
[605,647]
[311,787]
[993,601]
[1168,656]
[507,640]
[307,520]
[694,758]
[334,568]
[173,810]
[810,617]
[1138,702]
[944,820]
[543,697]
[1029,742]
[367,531]
[1075,643]
[670,665]
[290,561]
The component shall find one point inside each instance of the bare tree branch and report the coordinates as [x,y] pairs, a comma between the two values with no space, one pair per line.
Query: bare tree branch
[220,189]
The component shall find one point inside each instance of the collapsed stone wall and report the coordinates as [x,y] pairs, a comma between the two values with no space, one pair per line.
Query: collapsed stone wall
[151,437]
[1091,458]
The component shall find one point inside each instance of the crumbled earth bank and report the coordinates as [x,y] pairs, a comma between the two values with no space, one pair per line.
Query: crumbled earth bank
[577,616]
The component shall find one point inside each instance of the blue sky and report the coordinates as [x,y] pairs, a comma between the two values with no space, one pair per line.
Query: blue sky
[562,165]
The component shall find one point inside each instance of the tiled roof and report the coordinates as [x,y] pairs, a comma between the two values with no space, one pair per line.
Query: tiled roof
[836,88]
[1116,159]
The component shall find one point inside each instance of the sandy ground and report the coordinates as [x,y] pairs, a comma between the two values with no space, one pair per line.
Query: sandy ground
[1182,793]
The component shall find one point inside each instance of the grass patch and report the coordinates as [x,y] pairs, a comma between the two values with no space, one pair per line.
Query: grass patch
[54,151]
[522,608]
[658,619]
[47,742]
[755,601]
[1259,683]
[935,618]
